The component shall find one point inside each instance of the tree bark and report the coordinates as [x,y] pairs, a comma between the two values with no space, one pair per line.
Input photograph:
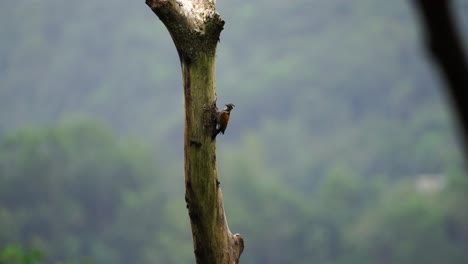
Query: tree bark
[195,27]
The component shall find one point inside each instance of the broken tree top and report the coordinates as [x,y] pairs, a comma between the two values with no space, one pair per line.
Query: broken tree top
[194,25]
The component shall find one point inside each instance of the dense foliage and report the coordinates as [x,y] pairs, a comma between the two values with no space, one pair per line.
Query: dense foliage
[76,192]
[14,254]
[341,148]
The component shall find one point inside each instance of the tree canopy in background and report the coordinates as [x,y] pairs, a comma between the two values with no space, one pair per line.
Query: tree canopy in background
[341,148]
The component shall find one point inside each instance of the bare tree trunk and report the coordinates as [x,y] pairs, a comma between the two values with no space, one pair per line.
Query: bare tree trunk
[195,27]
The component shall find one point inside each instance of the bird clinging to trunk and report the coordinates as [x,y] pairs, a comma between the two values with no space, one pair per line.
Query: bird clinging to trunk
[222,120]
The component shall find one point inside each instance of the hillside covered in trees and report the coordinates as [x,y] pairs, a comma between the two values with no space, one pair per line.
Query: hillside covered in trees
[341,148]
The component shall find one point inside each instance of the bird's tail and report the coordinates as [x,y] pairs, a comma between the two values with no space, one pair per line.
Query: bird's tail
[215,134]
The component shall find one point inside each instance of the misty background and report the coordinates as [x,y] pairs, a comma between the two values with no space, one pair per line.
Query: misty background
[342,147]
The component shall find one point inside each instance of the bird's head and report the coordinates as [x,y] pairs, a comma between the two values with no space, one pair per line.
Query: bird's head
[229,107]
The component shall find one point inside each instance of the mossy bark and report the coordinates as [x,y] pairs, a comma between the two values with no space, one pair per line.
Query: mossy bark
[195,28]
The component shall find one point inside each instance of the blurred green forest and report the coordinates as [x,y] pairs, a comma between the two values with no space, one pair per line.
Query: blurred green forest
[341,148]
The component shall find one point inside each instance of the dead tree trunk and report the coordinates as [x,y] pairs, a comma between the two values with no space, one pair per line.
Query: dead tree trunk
[195,26]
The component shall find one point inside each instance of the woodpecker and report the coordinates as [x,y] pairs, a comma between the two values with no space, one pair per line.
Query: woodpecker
[222,120]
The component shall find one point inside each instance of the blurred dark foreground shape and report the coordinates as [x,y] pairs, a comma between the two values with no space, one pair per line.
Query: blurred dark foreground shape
[444,44]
